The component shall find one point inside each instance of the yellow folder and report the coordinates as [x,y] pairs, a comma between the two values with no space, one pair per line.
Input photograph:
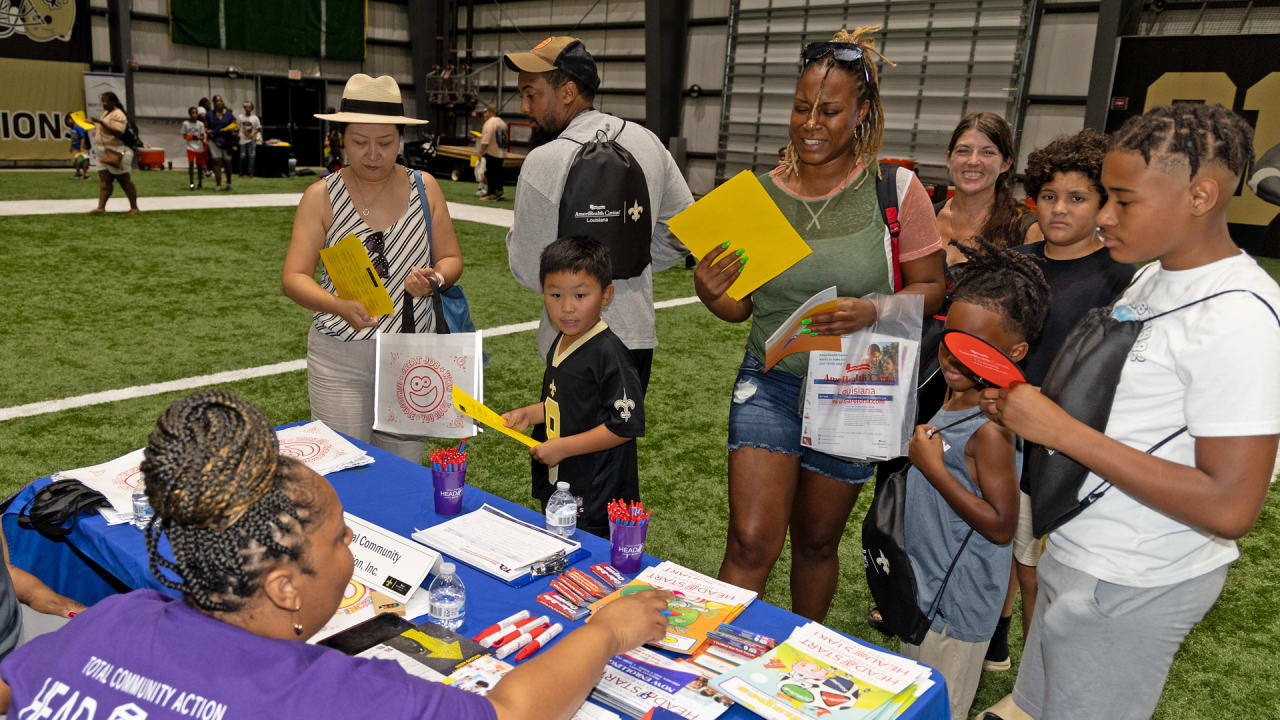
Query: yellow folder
[79,119]
[741,213]
[351,271]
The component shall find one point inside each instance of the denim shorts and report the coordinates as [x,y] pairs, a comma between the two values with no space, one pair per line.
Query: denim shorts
[765,414]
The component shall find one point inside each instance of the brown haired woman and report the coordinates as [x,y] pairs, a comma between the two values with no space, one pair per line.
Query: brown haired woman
[980,163]
[826,188]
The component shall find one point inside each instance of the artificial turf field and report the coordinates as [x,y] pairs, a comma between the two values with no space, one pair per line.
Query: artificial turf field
[99,303]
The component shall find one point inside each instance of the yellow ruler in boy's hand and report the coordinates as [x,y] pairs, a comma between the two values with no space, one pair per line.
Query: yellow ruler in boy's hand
[351,271]
[473,408]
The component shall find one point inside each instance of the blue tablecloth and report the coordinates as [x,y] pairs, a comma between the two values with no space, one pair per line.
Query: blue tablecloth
[96,560]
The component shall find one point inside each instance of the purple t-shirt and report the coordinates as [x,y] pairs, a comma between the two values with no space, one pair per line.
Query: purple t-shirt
[168,660]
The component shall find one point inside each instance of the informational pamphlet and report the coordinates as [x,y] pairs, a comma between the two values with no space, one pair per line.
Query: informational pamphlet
[790,336]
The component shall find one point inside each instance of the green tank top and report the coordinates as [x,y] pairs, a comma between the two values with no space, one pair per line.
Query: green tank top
[847,239]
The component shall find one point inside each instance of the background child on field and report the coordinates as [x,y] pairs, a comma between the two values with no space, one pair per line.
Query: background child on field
[79,148]
[1123,582]
[194,134]
[1064,178]
[592,407]
[964,478]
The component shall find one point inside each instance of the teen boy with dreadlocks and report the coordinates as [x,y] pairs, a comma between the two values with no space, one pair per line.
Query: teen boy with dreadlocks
[1122,583]
[826,188]
[962,488]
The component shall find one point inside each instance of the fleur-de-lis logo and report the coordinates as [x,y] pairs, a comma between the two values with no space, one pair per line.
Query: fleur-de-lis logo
[553,388]
[624,406]
[635,211]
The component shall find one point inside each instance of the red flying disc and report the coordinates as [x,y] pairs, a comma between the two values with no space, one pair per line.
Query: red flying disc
[982,358]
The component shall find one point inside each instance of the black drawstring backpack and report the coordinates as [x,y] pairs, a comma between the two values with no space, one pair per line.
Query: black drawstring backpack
[54,504]
[1082,380]
[606,198]
[884,555]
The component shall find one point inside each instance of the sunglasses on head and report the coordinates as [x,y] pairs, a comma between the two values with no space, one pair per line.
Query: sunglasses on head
[374,244]
[843,52]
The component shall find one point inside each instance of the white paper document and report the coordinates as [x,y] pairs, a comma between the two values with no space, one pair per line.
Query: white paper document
[495,542]
[320,448]
[856,399]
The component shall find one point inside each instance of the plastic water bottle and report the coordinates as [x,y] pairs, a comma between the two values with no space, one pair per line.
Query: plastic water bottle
[448,598]
[142,511]
[562,511]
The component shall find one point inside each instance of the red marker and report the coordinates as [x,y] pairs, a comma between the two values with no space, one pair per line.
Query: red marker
[539,641]
[521,627]
[507,622]
[525,638]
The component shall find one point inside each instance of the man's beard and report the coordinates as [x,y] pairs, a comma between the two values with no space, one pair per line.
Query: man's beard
[541,136]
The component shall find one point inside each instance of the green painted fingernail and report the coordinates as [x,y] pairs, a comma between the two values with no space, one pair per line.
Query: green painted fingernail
[740,251]
[806,321]
[744,259]
[724,244]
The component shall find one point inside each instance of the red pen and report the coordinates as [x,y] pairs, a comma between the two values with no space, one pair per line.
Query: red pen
[539,641]
[513,633]
[506,622]
[525,638]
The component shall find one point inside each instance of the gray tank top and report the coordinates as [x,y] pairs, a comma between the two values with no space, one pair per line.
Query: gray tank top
[10,614]
[934,532]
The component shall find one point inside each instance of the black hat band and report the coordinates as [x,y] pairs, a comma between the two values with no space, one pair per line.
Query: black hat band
[371,107]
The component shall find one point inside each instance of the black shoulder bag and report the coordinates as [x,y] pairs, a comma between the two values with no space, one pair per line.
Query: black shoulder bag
[54,504]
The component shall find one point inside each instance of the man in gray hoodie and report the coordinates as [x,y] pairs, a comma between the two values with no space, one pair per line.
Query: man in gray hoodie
[557,83]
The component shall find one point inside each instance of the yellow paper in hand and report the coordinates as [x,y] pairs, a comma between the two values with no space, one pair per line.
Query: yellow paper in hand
[351,271]
[741,213]
[473,408]
[79,119]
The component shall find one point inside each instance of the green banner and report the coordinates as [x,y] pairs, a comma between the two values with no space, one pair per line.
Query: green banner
[332,29]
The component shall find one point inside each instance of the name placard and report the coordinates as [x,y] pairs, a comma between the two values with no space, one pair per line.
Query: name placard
[395,565]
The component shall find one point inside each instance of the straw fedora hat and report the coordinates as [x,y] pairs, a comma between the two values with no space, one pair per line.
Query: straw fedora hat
[368,99]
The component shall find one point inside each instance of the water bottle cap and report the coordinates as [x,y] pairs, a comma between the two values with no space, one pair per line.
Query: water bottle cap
[562,485]
[447,568]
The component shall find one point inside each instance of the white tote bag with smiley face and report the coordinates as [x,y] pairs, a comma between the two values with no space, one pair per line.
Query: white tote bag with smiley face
[414,379]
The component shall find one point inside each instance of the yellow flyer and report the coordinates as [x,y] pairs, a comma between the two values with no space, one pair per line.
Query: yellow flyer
[79,119]
[351,271]
[477,410]
[741,213]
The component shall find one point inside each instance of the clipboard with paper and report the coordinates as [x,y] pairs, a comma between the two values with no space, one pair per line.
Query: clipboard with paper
[349,267]
[741,213]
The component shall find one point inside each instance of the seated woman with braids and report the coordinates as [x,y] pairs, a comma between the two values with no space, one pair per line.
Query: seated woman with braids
[260,554]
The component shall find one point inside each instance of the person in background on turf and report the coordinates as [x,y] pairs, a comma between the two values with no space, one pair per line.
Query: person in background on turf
[261,556]
[115,158]
[963,481]
[79,148]
[194,135]
[1064,178]
[826,188]
[493,148]
[558,81]
[218,122]
[250,139]
[1122,583]
[592,407]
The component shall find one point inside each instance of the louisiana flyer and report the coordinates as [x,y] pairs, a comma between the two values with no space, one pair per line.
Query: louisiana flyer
[818,673]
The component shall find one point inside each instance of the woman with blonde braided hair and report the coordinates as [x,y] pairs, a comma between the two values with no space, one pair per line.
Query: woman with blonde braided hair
[260,553]
[826,188]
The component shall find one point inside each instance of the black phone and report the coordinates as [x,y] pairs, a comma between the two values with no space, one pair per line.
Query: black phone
[358,638]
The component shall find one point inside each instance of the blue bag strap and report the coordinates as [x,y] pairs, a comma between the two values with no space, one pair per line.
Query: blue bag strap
[407,322]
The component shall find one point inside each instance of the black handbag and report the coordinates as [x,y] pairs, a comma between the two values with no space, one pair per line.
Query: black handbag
[49,509]
[1082,380]
[888,568]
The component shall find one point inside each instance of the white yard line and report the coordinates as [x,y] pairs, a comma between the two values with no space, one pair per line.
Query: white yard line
[229,376]
[459,211]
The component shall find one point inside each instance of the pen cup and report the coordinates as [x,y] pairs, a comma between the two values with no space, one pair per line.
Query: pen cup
[626,547]
[448,490]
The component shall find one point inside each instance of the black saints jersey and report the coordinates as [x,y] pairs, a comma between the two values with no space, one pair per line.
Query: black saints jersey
[592,383]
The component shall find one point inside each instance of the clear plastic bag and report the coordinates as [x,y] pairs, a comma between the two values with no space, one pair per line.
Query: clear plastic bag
[860,403]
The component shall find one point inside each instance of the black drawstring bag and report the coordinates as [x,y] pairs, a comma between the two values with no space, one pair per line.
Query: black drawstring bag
[50,508]
[888,568]
[1082,380]
[606,198]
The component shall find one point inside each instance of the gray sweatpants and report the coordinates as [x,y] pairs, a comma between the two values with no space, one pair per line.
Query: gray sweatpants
[1101,650]
[340,385]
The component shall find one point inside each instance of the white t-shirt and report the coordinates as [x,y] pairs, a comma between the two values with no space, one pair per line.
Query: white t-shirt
[1212,367]
[248,122]
[493,135]
[193,133]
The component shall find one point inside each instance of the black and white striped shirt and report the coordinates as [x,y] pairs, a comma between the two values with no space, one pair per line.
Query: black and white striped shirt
[405,247]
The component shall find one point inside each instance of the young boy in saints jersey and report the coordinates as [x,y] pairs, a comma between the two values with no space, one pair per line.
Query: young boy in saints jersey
[592,407]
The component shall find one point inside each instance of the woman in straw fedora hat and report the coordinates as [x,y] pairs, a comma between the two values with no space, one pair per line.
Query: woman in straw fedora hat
[375,199]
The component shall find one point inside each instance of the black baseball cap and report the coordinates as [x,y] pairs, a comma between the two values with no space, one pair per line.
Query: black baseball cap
[566,54]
